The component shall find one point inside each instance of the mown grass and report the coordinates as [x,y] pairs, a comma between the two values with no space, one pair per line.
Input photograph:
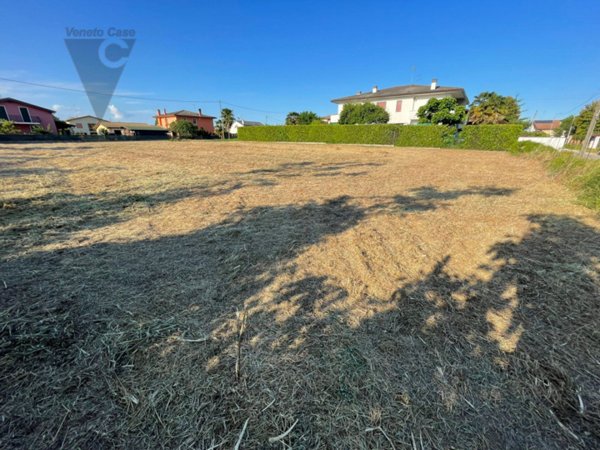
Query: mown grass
[194,295]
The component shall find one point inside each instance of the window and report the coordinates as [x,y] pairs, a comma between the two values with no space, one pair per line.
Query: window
[3,113]
[79,125]
[381,104]
[25,114]
[399,106]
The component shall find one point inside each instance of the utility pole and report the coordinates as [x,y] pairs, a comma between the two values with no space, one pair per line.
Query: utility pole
[590,130]
[220,115]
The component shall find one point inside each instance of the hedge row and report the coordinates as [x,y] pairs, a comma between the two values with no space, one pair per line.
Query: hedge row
[490,137]
[401,135]
[484,137]
[332,134]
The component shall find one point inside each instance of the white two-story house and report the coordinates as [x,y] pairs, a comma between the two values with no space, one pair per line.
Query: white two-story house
[402,102]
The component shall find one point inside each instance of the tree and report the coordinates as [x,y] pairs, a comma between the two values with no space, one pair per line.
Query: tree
[445,111]
[101,130]
[582,122]
[226,121]
[292,118]
[308,117]
[363,113]
[183,129]
[7,127]
[565,126]
[491,108]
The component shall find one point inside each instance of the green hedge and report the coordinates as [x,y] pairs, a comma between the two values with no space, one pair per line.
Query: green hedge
[482,137]
[401,135]
[490,137]
[425,136]
[331,134]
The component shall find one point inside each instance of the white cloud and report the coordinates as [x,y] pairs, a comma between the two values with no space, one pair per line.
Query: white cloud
[114,112]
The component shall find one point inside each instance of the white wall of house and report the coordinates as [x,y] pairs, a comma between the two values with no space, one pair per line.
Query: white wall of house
[404,113]
[83,125]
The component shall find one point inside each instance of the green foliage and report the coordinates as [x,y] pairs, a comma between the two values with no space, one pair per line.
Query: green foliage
[347,134]
[484,137]
[534,134]
[304,118]
[400,135]
[582,175]
[227,119]
[425,136]
[38,129]
[530,147]
[564,127]
[443,111]
[7,127]
[292,118]
[491,108]
[583,120]
[183,129]
[363,113]
[490,137]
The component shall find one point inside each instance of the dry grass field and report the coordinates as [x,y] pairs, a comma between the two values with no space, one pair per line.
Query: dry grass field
[246,295]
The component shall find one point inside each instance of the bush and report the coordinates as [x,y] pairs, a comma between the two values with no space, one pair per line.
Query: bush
[490,137]
[7,127]
[332,134]
[363,113]
[425,136]
[183,129]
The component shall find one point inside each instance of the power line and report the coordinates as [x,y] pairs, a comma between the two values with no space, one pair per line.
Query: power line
[580,104]
[134,97]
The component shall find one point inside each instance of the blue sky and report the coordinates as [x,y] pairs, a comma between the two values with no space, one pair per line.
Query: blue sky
[279,56]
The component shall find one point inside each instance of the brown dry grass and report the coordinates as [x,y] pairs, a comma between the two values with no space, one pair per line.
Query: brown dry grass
[164,295]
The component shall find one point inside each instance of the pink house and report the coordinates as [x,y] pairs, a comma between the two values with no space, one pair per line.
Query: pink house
[25,116]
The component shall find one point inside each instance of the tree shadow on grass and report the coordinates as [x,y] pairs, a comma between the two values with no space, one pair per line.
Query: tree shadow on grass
[175,342]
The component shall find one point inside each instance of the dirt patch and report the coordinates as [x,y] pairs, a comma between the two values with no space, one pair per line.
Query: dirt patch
[173,295]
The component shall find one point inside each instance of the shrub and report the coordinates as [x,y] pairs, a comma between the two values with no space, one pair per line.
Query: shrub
[38,129]
[363,113]
[442,111]
[102,130]
[7,127]
[183,129]
[425,136]
[332,134]
[490,137]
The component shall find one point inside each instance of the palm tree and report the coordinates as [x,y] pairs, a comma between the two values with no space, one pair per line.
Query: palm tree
[226,120]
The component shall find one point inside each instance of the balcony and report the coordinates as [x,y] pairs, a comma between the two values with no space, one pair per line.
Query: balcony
[19,120]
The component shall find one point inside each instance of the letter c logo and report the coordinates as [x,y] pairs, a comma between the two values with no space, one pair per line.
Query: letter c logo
[104,47]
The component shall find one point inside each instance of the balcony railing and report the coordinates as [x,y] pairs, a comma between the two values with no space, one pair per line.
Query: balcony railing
[19,119]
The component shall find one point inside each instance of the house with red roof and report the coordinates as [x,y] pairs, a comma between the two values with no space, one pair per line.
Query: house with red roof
[200,120]
[26,116]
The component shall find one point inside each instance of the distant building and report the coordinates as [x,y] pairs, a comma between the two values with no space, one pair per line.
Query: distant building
[545,126]
[26,116]
[202,121]
[401,102]
[84,124]
[239,123]
[132,129]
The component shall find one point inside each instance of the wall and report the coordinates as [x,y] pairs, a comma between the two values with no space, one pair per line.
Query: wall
[86,124]
[45,118]
[205,123]
[555,142]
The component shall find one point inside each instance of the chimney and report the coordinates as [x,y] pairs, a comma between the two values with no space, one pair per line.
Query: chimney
[434,84]
[158,112]
[374,90]
[199,112]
